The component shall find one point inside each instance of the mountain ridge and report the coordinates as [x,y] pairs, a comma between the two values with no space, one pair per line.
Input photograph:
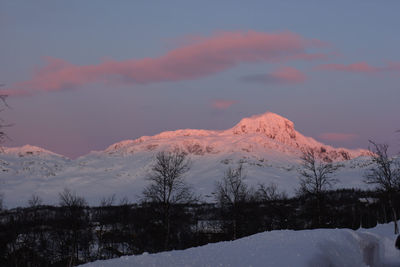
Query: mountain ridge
[266,145]
[268,130]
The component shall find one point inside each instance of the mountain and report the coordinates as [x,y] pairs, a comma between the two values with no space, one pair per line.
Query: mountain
[258,134]
[267,145]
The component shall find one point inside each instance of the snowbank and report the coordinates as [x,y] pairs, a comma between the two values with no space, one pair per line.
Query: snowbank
[311,248]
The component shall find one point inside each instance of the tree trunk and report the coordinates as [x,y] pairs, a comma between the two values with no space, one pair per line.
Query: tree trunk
[167,226]
[319,219]
[396,227]
[384,214]
[166,244]
[234,229]
[235,216]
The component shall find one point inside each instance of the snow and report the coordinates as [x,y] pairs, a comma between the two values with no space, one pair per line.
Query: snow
[308,248]
[267,145]
[390,255]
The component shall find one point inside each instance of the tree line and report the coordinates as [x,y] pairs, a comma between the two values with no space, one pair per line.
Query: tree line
[74,233]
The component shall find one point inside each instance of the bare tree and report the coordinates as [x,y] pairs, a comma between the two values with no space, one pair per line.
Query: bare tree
[232,189]
[385,175]
[3,124]
[75,218]
[107,201]
[3,135]
[168,186]
[316,176]
[231,192]
[35,201]
[70,199]
[269,192]
[124,201]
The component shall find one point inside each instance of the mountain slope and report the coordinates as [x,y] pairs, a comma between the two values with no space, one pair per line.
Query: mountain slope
[258,134]
[267,145]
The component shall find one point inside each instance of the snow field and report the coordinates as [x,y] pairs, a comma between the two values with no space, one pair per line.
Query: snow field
[285,248]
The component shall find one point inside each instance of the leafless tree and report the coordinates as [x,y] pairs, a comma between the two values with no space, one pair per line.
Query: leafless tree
[75,215]
[269,193]
[316,176]
[70,199]
[385,175]
[3,124]
[232,191]
[124,201]
[107,201]
[1,201]
[168,186]
[3,135]
[35,201]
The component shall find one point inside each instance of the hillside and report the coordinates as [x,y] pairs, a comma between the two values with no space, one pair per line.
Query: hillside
[267,145]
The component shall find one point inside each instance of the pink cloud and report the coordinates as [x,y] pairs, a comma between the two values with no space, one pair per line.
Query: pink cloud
[283,75]
[223,104]
[360,67]
[289,74]
[391,66]
[197,58]
[344,137]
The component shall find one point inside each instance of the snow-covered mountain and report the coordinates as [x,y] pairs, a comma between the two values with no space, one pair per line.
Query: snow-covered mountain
[258,134]
[267,145]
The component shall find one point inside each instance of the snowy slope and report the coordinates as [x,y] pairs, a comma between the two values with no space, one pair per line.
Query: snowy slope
[267,145]
[306,248]
[262,134]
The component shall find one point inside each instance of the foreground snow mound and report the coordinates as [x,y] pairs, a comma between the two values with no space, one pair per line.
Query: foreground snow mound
[311,248]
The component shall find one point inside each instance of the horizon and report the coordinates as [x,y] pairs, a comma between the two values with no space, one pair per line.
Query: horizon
[223,130]
[82,76]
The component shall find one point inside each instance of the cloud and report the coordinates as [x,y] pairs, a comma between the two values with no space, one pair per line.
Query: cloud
[343,137]
[285,75]
[223,104]
[359,67]
[199,57]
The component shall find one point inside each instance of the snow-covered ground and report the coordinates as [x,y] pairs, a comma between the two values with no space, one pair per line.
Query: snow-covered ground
[267,145]
[308,248]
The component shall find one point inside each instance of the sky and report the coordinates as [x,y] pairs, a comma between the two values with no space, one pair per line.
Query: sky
[82,75]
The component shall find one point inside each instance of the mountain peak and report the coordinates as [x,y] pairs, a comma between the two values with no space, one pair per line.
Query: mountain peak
[29,150]
[270,124]
[264,133]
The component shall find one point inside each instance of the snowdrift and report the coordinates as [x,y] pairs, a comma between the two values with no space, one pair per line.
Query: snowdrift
[308,248]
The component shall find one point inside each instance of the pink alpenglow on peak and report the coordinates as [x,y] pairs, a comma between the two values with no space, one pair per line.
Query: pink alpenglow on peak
[202,57]
[29,150]
[274,127]
[259,134]
[260,122]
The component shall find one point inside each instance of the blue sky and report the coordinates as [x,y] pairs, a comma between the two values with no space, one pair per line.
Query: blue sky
[360,102]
